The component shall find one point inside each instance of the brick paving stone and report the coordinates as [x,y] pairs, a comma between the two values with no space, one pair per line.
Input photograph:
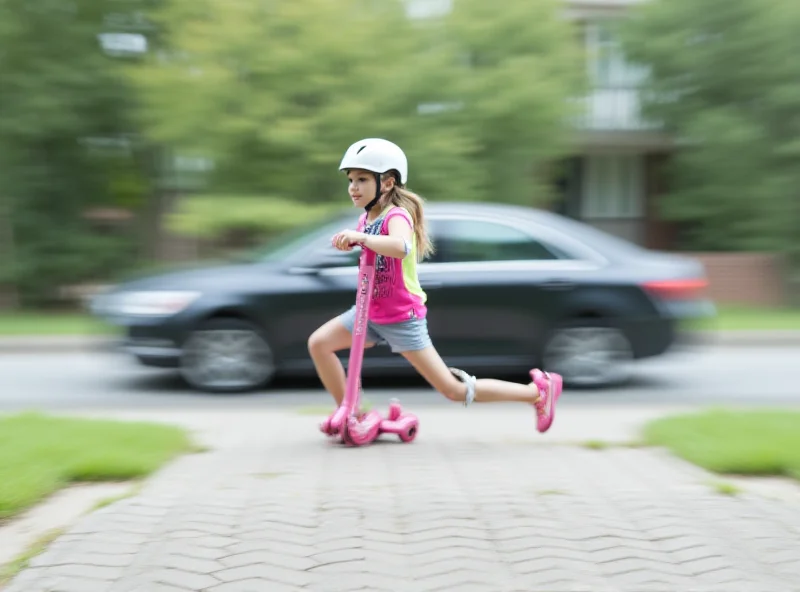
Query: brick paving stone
[255,585]
[191,564]
[77,584]
[181,577]
[269,558]
[32,579]
[267,572]
[279,508]
[192,550]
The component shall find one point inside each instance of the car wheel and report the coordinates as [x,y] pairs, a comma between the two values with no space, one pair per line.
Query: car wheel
[227,355]
[589,353]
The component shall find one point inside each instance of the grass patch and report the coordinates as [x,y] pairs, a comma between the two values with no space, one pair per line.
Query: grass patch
[39,454]
[546,492]
[596,444]
[741,318]
[604,445]
[10,570]
[749,442]
[724,488]
[13,324]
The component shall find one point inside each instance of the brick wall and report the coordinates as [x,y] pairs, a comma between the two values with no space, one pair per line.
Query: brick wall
[744,278]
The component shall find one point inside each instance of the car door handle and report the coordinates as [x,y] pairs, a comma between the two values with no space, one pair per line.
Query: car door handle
[557,284]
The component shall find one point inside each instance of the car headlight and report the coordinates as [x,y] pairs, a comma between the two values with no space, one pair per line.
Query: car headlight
[157,303]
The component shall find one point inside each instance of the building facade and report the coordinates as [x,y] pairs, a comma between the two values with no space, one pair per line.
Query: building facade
[615,176]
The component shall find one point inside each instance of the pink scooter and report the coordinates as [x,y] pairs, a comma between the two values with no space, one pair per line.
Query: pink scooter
[351,426]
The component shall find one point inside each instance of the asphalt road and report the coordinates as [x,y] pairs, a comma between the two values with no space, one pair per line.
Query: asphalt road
[110,380]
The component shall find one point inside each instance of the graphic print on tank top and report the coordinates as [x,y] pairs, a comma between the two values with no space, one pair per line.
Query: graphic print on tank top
[383,286]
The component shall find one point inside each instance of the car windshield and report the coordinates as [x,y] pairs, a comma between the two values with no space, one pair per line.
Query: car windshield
[288,243]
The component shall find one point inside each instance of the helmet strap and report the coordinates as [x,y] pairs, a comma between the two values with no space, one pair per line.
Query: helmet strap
[377,197]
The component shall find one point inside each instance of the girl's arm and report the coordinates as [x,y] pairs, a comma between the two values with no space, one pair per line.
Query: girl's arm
[397,244]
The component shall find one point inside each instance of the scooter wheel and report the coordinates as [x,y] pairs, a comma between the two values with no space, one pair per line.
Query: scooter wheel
[410,433]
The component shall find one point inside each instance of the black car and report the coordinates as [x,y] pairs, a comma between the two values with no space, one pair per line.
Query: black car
[509,288]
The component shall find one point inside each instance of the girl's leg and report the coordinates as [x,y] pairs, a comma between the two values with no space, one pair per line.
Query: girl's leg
[323,344]
[488,390]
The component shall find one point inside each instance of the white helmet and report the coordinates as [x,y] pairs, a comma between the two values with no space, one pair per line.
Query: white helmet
[376,155]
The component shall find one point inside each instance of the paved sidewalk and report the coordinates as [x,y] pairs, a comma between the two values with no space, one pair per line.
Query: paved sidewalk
[479,502]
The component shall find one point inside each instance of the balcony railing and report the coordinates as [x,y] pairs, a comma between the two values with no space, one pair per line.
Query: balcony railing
[612,109]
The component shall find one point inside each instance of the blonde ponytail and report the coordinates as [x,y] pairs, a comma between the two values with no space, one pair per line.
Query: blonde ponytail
[402,197]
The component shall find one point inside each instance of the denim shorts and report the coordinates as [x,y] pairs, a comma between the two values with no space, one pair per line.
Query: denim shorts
[410,335]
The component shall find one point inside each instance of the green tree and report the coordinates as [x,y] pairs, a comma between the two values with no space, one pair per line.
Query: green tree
[62,97]
[725,82]
[274,93]
[518,67]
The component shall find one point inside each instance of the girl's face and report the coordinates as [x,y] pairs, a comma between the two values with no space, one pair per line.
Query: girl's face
[362,186]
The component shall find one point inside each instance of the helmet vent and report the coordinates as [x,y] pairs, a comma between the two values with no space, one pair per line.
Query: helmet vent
[360,149]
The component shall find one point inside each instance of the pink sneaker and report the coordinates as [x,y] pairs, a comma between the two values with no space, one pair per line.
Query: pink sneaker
[549,385]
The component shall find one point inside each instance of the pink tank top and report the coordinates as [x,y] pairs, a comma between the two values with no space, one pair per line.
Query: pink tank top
[397,295]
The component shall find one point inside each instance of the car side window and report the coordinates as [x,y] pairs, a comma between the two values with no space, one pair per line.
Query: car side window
[461,241]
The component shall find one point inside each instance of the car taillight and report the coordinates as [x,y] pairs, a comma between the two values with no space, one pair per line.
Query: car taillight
[677,289]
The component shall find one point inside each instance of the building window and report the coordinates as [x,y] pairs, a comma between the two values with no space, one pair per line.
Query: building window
[613,103]
[608,67]
[613,186]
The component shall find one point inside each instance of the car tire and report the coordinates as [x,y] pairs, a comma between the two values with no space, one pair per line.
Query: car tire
[227,355]
[589,353]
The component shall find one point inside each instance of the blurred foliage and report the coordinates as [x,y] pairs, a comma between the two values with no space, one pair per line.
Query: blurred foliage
[237,115]
[725,81]
[213,217]
[275,92]
[69,257]
[60,94]
[270,94]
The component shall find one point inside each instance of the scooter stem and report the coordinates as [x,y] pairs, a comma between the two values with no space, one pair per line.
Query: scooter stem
[366,276]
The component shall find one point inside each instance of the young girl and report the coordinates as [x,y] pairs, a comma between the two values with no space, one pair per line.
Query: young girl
[394,228]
